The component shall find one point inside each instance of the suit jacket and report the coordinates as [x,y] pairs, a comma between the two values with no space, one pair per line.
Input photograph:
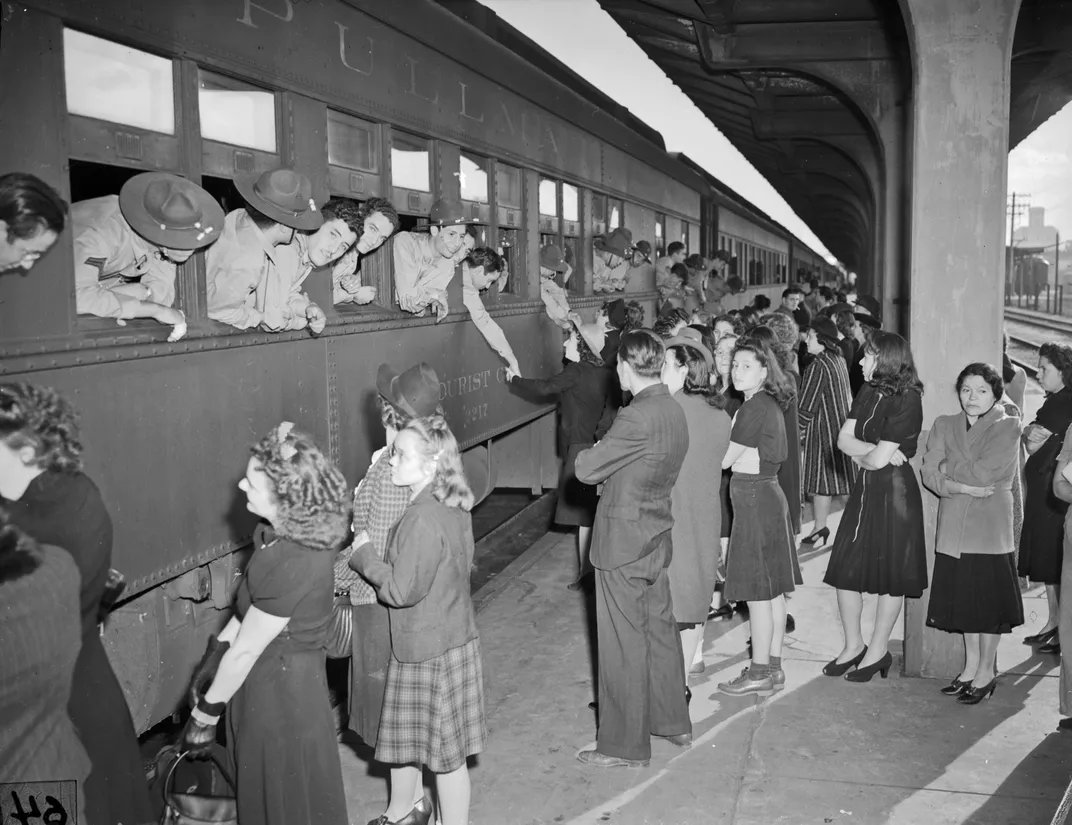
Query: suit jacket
[639,459]
[986,454]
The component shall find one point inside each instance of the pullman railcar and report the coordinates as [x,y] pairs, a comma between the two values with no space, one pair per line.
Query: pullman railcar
[400,100]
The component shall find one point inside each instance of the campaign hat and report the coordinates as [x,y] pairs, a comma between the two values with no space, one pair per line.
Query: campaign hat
[283,195]
[551,258]
[618,242]
[448,212]
[415,391]
[170,211]
[643,248]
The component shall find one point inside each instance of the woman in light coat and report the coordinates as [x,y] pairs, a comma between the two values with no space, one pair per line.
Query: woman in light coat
[971,461]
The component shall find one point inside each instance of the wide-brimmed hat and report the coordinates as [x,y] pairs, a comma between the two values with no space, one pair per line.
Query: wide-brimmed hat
[824,328]
[170,211]
[643,249]
[551,258]
[415,391]
[594,336]
[447,212]
[283,195]
[871,304]
[691,338]
[618,242]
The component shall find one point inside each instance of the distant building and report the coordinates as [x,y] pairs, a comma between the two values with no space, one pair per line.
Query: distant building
[1036,236]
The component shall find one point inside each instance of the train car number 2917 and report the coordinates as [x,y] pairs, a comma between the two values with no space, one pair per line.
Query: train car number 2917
[475,413]
[39,803]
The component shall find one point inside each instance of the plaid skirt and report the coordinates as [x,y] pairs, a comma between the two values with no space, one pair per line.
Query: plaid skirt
[433,711]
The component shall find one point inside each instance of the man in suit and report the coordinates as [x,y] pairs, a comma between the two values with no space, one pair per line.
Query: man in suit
[641,674]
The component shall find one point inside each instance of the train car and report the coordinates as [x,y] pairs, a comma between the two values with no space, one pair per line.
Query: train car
[400,100]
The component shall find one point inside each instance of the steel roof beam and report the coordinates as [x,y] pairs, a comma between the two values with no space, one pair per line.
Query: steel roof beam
[759,43]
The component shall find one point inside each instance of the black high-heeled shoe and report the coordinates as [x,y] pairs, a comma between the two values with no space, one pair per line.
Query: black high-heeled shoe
[822,535]
[835,669]
[688,696]
[864,674]
[956,687]
[419,815]
[1040,638]
[974,695]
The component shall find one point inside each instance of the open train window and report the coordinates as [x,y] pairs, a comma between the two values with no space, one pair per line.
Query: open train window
[508,206]
[615,214]
[411,173]
[599,214]
[660,235]
[571,236]
[473,182]
[239,126]
[353,156]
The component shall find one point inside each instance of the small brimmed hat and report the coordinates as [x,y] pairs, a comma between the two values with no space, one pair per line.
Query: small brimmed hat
[594,336]
[691,338]
[415,391]
[551,258]
[170,211]
[283,195]
[824,328]
[643,249]
[618,242]
[447,212]
[871,304]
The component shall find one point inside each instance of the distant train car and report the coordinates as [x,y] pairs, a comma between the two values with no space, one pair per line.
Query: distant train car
[400,100]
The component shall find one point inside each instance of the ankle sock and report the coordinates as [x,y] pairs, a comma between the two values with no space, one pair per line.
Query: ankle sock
[758,671]
[775,663]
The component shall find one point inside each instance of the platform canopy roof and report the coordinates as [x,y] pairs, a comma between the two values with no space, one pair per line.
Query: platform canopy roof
[801,87]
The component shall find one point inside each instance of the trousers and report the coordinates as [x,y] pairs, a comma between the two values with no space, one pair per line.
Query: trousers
[641,672]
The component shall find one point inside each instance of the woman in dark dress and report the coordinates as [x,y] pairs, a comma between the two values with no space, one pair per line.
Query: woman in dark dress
[880,546]
[1042,537]
[271,676]
[60,506]
[40,636]
[582,388]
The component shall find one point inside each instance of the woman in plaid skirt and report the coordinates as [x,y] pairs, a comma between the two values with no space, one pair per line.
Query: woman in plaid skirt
[433,708]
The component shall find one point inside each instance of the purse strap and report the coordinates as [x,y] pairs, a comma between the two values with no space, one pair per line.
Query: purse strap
[215,761]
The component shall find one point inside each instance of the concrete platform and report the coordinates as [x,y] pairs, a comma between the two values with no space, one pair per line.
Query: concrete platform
[823,751]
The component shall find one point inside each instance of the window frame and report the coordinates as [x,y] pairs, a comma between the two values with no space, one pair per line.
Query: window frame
[352,181]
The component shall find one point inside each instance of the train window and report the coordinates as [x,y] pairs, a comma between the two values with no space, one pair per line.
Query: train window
[410,162]
[353,143]
[685,235]
[615,214]
[473,177]
[236,112]
[508,186]
[660,235]
[510,247]
[548,198]
[571,208]
[118,84]
[599,214]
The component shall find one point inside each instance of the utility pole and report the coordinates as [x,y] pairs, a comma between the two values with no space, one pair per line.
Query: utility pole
[1015,210]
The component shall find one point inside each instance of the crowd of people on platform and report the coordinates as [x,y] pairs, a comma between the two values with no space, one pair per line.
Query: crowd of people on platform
[688,450]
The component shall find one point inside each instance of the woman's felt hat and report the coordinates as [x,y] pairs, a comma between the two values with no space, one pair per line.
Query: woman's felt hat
[170,211]
[689,337]
[415,391]
[284,196]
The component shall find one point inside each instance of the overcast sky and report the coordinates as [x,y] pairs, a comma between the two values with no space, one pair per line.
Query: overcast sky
[1040,168]
[586,38]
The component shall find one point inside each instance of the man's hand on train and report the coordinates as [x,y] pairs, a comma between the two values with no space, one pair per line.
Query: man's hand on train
[316,317]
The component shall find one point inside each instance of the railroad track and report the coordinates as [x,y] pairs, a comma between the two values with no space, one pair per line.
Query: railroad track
[1024,344]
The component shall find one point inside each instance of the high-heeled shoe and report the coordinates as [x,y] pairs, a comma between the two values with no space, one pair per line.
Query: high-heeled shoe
[419,815]
[956,687]
[1040,638]
[974,695]
[835,669]
[864,674]
[822,535]
[688,696]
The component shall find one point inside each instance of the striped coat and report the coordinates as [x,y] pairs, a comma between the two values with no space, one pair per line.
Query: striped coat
[824,405]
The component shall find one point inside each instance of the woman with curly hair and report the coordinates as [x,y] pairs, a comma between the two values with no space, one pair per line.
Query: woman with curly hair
[433,710]
[1041,540]
[880,546]
[761,566]
[724,325]
[582,387]
[271,675]
[694,500]
[49,497]
[40,637]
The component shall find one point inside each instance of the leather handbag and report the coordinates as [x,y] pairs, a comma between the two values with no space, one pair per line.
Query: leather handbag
[201,805]
[340,638]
